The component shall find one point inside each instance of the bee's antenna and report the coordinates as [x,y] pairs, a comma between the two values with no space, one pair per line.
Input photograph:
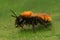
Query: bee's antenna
[13,12]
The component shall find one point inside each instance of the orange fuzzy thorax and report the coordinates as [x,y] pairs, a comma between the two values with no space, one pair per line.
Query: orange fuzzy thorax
[26,13]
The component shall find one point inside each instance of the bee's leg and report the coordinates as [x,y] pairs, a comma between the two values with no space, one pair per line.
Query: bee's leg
[49,26]
[34,22]
[42,22]
[33,27]
[22,27]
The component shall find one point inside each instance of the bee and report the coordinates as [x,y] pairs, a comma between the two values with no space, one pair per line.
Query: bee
[33,19]
[27,17]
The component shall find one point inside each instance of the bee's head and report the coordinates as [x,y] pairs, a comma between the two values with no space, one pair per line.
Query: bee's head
[18,21]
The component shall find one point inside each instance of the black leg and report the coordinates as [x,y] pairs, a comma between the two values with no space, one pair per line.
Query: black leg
[21,26]
[33,27]
[22,29]
[43,23]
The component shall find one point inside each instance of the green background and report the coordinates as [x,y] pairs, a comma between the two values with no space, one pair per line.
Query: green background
[8,30]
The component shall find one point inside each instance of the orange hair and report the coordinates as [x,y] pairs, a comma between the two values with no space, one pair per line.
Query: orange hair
[26,13]
[48,18]
[45,17]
